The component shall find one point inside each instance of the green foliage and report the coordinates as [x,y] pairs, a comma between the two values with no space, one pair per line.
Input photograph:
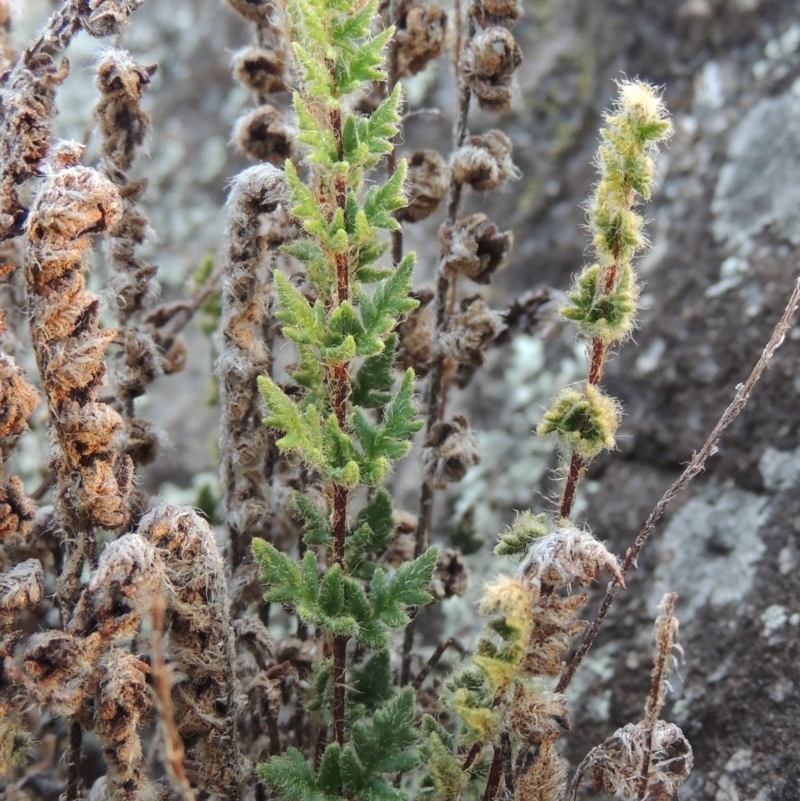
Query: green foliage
[585,421]
[371,387]
[473,701]
[617,231]
[371,684]
[372,531]
[385,606]
[316,526]
[606,315]
[390,300]
[603,298]
[527,528]
[390,438]
[303,427]
[382,200]
[301,322]
[445,779]
[631,134]
[379,747]
[293,779]
[391,597]
[337,601]
[320,696]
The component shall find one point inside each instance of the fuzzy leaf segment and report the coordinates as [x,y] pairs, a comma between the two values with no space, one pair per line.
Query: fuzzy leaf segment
[603,298]
[341,603]
[584,420]
[380,746]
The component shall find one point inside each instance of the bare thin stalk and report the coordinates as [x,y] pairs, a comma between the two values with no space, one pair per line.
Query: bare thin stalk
[433,403]
[508,774]
[666,626]
[695,466]
[73,788]
[576,466]
[495,774]
[450,642]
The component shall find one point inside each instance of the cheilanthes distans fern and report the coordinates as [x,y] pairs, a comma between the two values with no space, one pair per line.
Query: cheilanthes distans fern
[343,416]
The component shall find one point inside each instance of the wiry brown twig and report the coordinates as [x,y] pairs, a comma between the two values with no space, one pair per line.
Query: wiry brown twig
[666,629]
[450,642]
[175,755]
[695,466]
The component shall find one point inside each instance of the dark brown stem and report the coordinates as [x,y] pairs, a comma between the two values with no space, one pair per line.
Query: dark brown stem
[576,466]
[664,645]
[597,361]
[450,642]
[695,466]
[644,778]
[73,788]
[508,774]
[185,310]
[472,756]
[436,376]
[339,640]
[496,772]
[599,350]
[341,393]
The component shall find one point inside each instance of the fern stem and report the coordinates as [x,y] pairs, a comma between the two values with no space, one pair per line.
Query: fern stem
[576,466]
[495,775]
[695,466]
[341,393]
[73,788]
[599,351]
[339,640]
